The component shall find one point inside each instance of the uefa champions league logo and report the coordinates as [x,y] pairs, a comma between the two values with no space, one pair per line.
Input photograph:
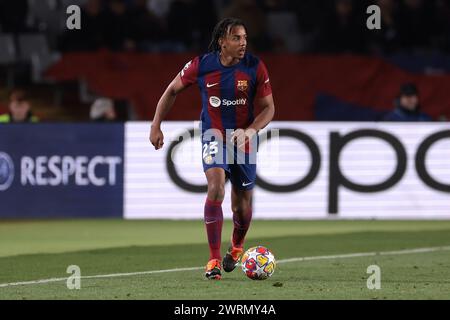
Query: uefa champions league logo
[6,171]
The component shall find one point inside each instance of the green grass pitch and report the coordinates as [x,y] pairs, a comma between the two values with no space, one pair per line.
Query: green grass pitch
[37,250]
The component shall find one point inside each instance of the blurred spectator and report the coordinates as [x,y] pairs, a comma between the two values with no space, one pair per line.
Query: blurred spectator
[386,39]
[407,106]
[147,28]
[90,37]
[442,25]
[118,31]
[102,110]
[13,15]
[206,20]
[19,109]
[342,31]
[415,21]
[159,7]
[191,22]
[283,26]
[255,20]
[308,14]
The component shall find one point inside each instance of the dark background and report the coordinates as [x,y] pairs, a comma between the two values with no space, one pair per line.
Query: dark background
[414,39]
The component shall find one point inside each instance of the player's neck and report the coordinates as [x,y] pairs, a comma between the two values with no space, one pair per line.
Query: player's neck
[228,61]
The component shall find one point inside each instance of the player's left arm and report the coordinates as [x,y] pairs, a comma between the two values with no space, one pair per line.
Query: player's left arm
[266,115]
[243,136]
[264,99]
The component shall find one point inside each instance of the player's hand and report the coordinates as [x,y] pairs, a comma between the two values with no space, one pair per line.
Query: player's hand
[156,137]
[242,137]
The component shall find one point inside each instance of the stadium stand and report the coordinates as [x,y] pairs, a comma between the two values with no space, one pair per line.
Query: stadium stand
[296,90]
[33,37]
[8,57]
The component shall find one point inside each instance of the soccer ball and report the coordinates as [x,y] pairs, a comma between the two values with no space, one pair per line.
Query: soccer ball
[258,263]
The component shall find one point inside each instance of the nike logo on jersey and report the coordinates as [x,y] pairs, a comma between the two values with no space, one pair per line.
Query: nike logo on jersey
[209,85]
[246,184]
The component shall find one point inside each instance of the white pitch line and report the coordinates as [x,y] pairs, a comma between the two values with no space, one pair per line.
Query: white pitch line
[367,254]
[113,275]
[299,259]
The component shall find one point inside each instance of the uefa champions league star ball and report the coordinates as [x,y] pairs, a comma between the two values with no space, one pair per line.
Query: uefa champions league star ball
[258,263]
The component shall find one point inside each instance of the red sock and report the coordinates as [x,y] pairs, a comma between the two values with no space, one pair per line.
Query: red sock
[213,222]
[241,225]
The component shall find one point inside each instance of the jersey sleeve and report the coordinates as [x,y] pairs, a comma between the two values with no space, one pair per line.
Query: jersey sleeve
[263,87]
[189,73]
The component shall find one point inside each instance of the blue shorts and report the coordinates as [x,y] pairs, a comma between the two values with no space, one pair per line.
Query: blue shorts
[239,166]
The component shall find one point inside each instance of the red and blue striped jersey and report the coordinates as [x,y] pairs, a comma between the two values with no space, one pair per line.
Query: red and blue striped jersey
[227,93]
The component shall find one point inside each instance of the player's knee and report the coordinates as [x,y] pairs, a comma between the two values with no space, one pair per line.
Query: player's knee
[240,209]
[216,191]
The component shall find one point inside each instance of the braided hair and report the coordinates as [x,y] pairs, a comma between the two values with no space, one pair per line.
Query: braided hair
[221,29]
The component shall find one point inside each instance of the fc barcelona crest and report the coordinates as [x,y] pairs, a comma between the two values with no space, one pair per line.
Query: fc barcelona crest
[242,85]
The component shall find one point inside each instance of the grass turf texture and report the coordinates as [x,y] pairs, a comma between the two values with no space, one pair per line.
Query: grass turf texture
[33,250]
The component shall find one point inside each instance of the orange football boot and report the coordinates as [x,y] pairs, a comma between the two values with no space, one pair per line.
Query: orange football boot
[213,270]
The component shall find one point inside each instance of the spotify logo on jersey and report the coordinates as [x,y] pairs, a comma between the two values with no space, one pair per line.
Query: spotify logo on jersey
[214,101]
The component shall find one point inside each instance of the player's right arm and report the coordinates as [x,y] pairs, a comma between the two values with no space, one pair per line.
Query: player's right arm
[165,103]
[184,79]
